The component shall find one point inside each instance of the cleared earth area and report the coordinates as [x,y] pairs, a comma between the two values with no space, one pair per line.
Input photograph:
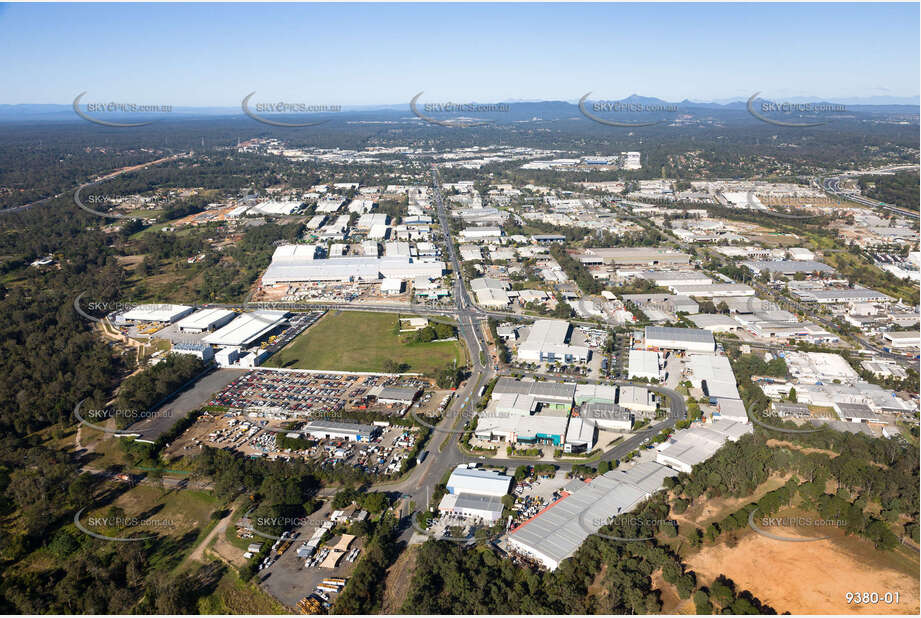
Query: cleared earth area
[364,341]
[813,578]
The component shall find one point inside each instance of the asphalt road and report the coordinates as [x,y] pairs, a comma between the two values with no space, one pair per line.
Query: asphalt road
[444,452]
[833,187]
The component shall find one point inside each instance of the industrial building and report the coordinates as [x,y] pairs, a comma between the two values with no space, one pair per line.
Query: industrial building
[800,254]
[391,287]
[788,267]
[512,404]
[853,295]
[552,394]
[395,394]
[779,324]
[466,480]
[608,416]
[820,367]
[692,446]
[479,234]
[672,303]
[634,256]
[324,430]
[198,350]
[205,320]
[164,313]
[902,339]
[490,292]
[556,533]
[472,506]
[247,329]
[637,399]
[378,232]
[546,342]
[713,290]
[857,413]
[713,374]
[732,409]
[330,204]
[581,434]
[277,207]
[227,357]
[521,429]
[687,339]
[715,322]
[667,278]
[643,364]
[292,267]
[539,412]
[367,221]
[879,399]
[595,393]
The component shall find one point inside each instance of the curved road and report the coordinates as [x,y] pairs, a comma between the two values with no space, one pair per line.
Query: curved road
[444,452]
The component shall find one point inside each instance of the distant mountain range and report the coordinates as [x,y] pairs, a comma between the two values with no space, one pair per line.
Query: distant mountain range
[521,108]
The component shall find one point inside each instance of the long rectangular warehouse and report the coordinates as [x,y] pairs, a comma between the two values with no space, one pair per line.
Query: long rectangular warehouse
[349,268]
[545,392]
[669,338]
[651,256]
[692,446]
[163,312]
[247,329]
[356,432]
[556,534]
[205,320]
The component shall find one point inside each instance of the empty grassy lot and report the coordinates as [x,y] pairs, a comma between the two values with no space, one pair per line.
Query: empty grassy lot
[363,341]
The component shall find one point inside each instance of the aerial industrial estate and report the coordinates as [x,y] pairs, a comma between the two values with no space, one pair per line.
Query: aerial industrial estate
[567,356]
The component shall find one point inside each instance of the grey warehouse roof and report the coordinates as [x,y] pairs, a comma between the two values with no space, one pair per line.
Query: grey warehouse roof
[537,389]
[788,266]
[398,393]
[695,335]
[559,531]
[338,427]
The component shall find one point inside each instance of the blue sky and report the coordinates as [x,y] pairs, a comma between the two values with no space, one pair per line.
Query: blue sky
[351,54]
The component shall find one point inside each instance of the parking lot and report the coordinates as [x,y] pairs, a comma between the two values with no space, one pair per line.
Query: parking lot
[535,494]
[258,437]
[297,323]
[300,394]
[289,578]
[288,393]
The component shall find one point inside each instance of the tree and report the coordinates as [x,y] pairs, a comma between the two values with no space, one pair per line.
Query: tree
[563,310]
[702,602]
[722,592]
[449,377]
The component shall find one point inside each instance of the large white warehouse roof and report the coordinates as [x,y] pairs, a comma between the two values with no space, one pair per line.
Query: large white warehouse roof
[246,329]
[157,313]
[475,481]
[205,319]
[557,533]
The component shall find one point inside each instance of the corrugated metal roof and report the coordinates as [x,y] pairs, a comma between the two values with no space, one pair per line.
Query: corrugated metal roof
[694,335]
[559,531]
[246,328]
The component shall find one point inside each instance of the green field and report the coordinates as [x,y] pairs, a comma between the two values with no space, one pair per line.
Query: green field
[363,341]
